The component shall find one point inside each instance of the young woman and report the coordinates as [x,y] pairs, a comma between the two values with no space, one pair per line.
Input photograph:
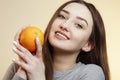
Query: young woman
[74,48]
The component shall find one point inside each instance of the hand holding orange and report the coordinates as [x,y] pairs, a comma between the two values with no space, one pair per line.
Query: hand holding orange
[28,36]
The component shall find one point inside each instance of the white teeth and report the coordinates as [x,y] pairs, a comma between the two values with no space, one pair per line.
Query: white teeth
[62,36]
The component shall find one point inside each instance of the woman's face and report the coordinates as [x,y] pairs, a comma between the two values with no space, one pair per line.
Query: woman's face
[71,29]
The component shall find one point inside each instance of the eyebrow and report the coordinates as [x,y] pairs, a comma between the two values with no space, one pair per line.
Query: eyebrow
[77,16]
[83,20]
[65,11]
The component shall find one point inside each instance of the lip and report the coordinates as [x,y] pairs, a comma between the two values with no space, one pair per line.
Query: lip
[62,35]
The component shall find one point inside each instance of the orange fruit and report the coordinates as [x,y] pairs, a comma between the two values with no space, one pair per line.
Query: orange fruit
[28,37]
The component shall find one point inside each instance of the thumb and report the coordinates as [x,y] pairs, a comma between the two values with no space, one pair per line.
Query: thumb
[39,48]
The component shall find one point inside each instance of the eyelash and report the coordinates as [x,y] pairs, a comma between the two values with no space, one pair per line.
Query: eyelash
[61,16]
[78,25]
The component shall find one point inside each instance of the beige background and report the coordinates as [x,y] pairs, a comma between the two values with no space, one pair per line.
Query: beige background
[16,13]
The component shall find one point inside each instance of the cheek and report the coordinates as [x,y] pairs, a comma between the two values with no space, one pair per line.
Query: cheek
[80,39]
[54,26]
[56,23]
[51,34]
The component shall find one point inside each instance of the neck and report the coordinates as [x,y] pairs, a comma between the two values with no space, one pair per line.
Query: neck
[64,60]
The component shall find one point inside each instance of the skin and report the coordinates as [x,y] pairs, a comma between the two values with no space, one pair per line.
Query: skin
[31,66]
[72,27]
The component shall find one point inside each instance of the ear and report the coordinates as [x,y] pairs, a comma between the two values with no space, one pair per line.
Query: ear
[87,47]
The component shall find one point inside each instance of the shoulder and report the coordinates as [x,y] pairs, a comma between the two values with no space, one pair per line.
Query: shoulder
[93,67]
[93,72]
[88,67]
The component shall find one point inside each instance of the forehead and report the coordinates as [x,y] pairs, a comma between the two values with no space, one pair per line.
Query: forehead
[80,10]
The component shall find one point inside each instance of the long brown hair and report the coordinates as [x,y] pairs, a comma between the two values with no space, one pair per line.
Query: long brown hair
[98,55]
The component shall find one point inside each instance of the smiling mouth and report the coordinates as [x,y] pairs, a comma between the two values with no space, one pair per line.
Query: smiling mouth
[61,35]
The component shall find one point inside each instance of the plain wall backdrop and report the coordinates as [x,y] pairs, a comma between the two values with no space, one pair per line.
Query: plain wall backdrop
[17,13]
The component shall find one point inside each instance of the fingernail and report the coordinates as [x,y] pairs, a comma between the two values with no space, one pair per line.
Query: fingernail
[13,59]
[14,48]
[37,39]
[14,42]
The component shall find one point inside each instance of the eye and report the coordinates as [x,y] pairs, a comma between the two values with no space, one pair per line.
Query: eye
[78,25]
[61,16]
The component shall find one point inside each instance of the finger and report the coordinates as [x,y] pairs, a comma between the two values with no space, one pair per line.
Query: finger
[21,55]
[21,64]
[16,38]
[22,49]
[22,52]
[39,48]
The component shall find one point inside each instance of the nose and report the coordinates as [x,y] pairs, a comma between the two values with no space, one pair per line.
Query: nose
[65,26]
